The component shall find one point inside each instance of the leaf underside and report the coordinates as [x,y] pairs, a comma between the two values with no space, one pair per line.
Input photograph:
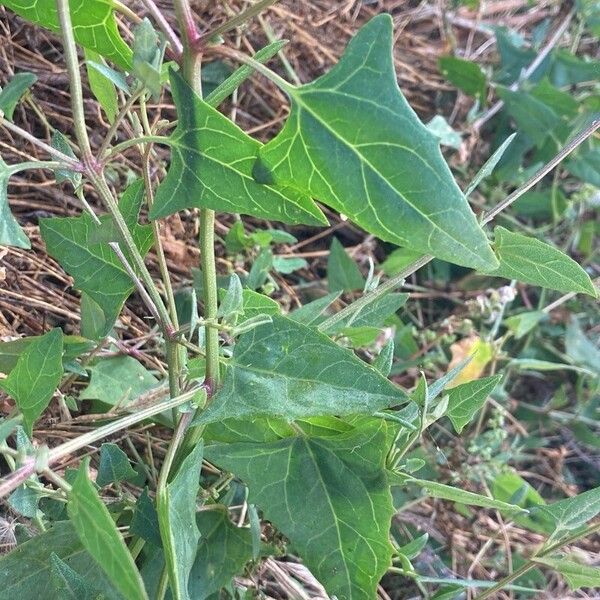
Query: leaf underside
[353,142]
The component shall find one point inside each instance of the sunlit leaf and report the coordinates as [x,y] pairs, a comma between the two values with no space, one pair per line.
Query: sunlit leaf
[353,142]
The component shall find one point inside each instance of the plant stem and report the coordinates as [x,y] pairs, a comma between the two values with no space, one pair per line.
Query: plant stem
[36,164]
[145,139]
[164,26]
[531,563]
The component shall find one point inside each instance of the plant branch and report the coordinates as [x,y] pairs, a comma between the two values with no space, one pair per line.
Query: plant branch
[164,26]
[240,19]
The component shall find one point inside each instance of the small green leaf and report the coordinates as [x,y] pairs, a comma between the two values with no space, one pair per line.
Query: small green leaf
[465,400]
[177,520]
[60,142]
[466,75]
[223,551]
[7,426]
[67,583]
[388,174]
[77,244]
[101,86]
[398,260]
[447,492]
[36,376]
[114,466]
[13,91]
[26,572]
[524,322]
[145,520]
[580,349]
[101,538]
[11,233]
[288,370]
[255,304]
[147,57]
[312,313]
[233,302]
[443,131]
[329,496]
[287,265]
[343,274]
[94,25]
[118,379]
[259,272]
[384,360]
[571,513]
[24,501]
[532,261]
[206,142]
[577,575]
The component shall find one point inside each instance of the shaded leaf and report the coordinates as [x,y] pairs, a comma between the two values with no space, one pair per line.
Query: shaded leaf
[206,142]
[465,401]
[11,233]
[576,574]
[466,75]
[580,349]
[67,583]
[94,25]
[289,370]
[114,466]
[36,376]
[223,551]
[177,521]
[387,175]
[524,322]
[385,358]
[60,142]
[532,261]
[77,244]
[101,86]
[343,273]
[24,501]
[313,311]
[12,92]
[329,496]
[101,538]
[26,571]
[145,520]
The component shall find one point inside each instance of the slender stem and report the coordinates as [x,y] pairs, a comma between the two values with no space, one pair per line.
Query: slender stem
[144,139]
[75,88]
[36,164]
[531,563]
[398,279]
[72,163]
[8,484]
[240,19]
[164,26]
[126,11]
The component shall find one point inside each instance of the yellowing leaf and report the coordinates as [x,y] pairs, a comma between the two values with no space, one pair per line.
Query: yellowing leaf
[481,353]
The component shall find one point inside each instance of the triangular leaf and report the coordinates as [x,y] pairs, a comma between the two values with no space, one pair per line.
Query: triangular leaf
[13,91]
[114,466]
[329,496]
[343,273]
[288,370]
[465,400]
[353,142]
[205,142]
[11,233]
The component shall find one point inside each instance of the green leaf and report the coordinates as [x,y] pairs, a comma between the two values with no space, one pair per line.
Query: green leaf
[466,75]
[147,57]
[206,142]
[67,583]
[254,304]
[7,426]
[343,273]
[384,360]
[532,261]
[288,370]
[24,501]
[353,142]
[329,496]
[287,265]
[570,514]
[177,520]
[465,400]
[444,133]
[73,346]
[36,376]
[12,92]
[61,143]
[118,379]
[580,349]
[524,322]
[259,272]
[27,570]
[398,260]
[576,574]
[101,86]
[223,551]
[94,25]
[101,538]
[312,312]
[447,492]
[145,520]
[77,244]
[11,233]
[233,301]
[114,466]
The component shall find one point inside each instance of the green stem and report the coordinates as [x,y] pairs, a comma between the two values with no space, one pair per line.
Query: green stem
[531,563]
[36,164]
[145,139]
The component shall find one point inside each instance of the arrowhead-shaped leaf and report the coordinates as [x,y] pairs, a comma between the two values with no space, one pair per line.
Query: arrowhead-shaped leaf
[329,496]
[76,243]
[353,142]
[36,376]
[11,233]
[94,25]
[286,369]
[532,261]
[211,166]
